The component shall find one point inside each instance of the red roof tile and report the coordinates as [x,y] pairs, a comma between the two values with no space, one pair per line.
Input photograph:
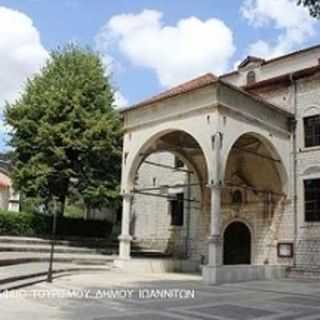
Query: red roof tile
[193,84]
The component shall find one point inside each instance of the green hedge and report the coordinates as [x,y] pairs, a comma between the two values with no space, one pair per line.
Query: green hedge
[33,224]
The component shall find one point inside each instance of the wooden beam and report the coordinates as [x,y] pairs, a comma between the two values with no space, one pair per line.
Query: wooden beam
[163,196]
[167,166]
[174,186]
[256,154]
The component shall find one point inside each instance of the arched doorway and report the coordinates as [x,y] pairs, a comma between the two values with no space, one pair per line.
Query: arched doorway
[237,244]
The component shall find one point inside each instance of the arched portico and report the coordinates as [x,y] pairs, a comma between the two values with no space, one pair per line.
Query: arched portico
[222,133]
[259,146]
[141,144]
[174,141]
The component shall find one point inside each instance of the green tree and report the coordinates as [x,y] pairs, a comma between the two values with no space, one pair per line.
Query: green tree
[313,6]
[66,134]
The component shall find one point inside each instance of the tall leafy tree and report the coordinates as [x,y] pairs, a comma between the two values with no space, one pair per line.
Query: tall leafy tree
[66,134]
[313,6]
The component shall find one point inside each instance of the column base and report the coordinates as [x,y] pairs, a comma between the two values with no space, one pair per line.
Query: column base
[215,250]
[124,247]
[215,275]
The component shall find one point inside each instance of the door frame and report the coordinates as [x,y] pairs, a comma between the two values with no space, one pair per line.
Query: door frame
[252,236]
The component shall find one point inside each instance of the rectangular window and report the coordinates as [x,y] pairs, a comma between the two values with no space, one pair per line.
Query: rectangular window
[312,131]
[312,200]
[176,210]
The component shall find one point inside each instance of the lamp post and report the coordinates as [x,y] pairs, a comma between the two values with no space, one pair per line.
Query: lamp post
[58,182]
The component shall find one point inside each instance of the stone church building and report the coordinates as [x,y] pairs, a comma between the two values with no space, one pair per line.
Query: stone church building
[222,174]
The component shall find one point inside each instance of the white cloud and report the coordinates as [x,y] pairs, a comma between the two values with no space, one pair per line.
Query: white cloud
[119,100]
[293,22]
[21,52]
[176,53]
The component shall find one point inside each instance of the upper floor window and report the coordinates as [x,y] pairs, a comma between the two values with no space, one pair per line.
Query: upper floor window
[312,200]
[251,77]
[178,163]
[312,131]
[177,210]
[237,197]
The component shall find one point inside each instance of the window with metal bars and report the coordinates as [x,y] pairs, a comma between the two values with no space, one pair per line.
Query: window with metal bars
[312,131]
[177,210]
[312,200]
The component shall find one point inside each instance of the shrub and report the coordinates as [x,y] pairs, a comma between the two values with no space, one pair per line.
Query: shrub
[35,224]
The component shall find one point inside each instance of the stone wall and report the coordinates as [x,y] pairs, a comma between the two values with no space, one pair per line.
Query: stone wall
[151,219]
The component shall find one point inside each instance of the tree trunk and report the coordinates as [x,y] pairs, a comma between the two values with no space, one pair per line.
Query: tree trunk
[62,201]
[88,213]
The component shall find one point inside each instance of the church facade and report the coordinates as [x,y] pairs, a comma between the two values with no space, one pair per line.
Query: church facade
[222,174]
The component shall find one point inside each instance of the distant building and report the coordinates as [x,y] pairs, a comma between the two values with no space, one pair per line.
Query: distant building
[9,199]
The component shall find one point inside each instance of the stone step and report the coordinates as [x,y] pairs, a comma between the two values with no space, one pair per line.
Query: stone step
[77,250]
[63,249]
[20,279]
[11,258]
[149,253]
[304,273]
[19,284]
[11,247]
[74,242]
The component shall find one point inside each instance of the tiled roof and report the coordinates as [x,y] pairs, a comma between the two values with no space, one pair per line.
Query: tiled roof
[249,59]
[279,58]
[5,181]
[185,87]
[284,78]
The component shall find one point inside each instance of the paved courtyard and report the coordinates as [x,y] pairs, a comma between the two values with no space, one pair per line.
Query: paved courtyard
[117,295]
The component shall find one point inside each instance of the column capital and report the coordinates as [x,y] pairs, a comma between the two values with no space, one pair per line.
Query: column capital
[214,186]
[125,238]
[127,195]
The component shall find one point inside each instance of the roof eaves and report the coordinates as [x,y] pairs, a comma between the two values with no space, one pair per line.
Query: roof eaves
[205,80]
[284,79]
[257,98]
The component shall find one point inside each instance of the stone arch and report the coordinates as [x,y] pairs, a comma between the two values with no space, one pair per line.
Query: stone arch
[251,230]
[246,248]
[311,111]
[142,152]
[273,153]
[312,170]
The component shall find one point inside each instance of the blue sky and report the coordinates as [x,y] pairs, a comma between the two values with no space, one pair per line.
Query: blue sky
[149,45]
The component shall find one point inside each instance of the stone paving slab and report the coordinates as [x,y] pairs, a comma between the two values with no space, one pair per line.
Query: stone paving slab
[262,300]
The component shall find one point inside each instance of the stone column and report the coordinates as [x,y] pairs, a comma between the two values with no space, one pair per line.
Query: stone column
[211,272]
[215,241]
[125,238]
